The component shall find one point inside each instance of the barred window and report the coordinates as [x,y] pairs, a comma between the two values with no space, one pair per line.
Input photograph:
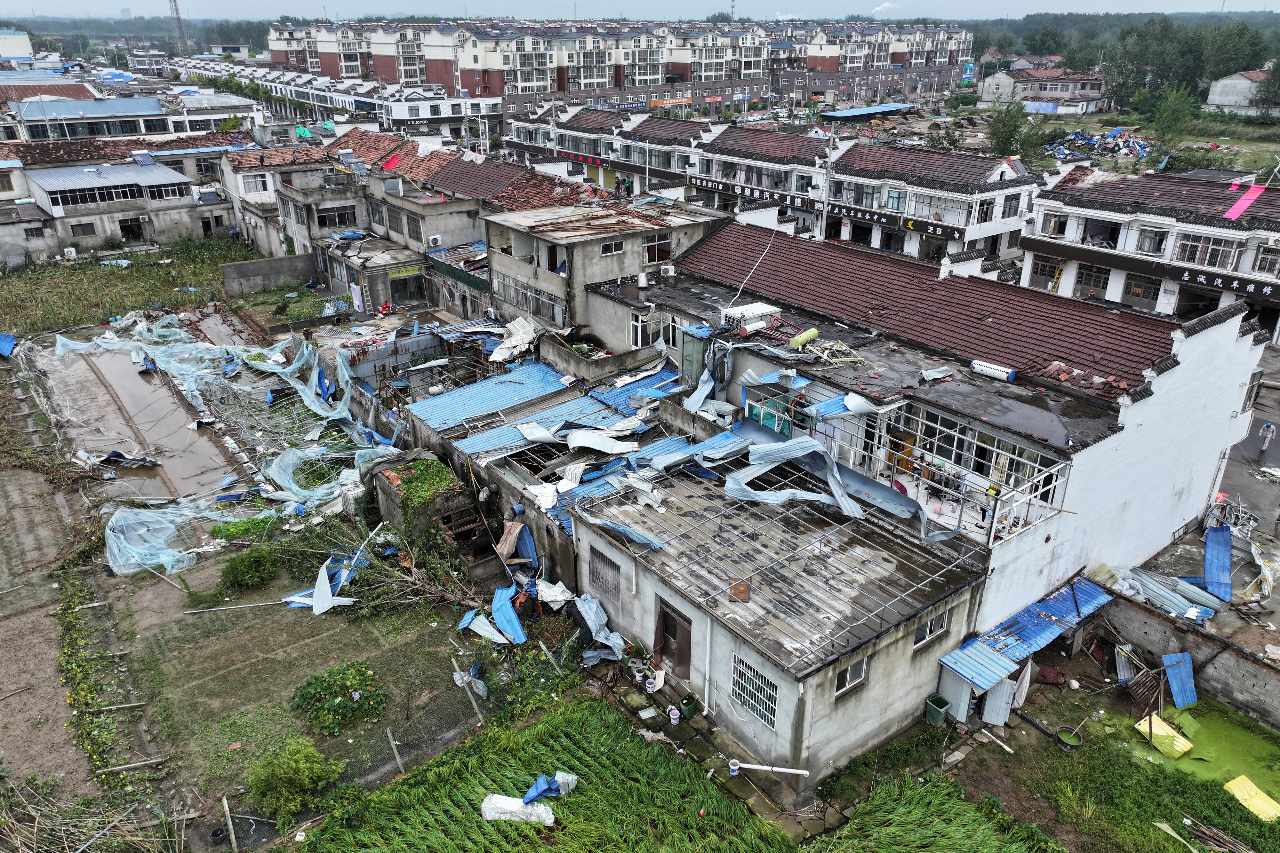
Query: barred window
[1140,291]
[395,220]
[1045,273]
[1268,260]
[1092,281]
[299,214]
[606,577]
[526,297]
[375,213]
[414,223]
[1207,251]
[754,692]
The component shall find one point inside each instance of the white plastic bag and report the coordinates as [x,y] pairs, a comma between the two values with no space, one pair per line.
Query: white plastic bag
[496,807]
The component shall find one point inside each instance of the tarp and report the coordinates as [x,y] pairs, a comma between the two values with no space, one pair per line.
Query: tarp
[1163,736]
[504,615]
[1217,561]
[138,539]
[7,343]
[478,622]
[598,621]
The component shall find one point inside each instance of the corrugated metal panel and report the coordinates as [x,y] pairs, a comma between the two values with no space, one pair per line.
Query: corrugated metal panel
[79,110]
[617,397]
[978,665]
[1034,627]
[7,343]
[463,329]
[797,382]
[529,381]
[78,177]
[995,708]
[1217,561]
[955,690]
[701,331]
[1181,680]
[1158,595]
[583,410]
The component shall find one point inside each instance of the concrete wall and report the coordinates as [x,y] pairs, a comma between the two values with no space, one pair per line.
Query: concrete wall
[245,277]
[1231,92]
[1234,676]
[559,356]
[454,221]
[1124,500]
[169,220]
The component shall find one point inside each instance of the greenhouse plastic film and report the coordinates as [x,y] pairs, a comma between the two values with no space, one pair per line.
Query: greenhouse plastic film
[138,539]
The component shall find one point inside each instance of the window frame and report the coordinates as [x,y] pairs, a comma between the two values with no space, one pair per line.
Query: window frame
[862,665]
[933,628]
[1161,238]
[612,247]
[657,247]
[91,232]
[895,200]
[754,691]
[259,181]
[600,564]
[6,182]
[338,215]
[1059,224]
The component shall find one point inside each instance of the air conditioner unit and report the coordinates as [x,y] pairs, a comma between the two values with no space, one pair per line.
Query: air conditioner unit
[433,240]
[1273,241]
[144,218]
[668,270]
[743,315]
[69,253]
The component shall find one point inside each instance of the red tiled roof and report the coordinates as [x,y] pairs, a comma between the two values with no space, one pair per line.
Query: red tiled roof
[1169,195]
[21,91]
[277,158]
[592,119]
[1051,73]
[1101,352]
[1075,176]
[1255,76]
[372,147]
[102,150]
[767,145]
[212,139]
[920,163]
[538,189]
[410,164]
[475,180]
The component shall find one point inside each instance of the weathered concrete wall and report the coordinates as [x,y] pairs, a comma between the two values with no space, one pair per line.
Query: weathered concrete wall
[552,352]
[1234,676]
[245,277]
[684,422]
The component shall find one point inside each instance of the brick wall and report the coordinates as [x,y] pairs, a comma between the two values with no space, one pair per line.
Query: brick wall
[1234,676]
[386,69]
[440,71]
[330,65]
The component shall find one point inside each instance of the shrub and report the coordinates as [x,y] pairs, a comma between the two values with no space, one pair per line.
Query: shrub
[251,569]
[284,783]
[245,527]
[340,695]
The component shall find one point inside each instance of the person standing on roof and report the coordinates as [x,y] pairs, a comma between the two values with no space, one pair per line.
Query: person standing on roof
[628,184]
[1267,433]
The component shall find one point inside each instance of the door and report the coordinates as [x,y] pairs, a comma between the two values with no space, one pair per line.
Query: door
[207,227]
[131,230]
[671,642]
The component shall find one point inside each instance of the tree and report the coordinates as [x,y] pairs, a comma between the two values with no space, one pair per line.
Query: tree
[1267,95]
[1152,55]
[228,57]
[981,41]
[1004,131]
[719,18]
[1173,114]
[1006,42]
[1235,47]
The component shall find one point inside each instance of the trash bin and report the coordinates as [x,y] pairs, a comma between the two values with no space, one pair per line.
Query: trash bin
[935,710]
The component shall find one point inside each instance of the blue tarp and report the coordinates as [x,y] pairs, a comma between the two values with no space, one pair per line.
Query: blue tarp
[1181,684]
[526,547]
[7,343]
[868,111]
[504,615]
[544,787]
[1217,561]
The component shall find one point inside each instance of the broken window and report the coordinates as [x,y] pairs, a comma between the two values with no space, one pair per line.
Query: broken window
[753,691]
[611,247]
[1251,393]
[851,676]
[6,183]
[1054,224]
[83,229]
[645,330]
[986,209]
[657,247]
[605,575]
[1151,241]
[336,217]
[376,213]
[1011,205]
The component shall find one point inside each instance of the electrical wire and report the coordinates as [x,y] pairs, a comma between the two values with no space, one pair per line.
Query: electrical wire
[768,246]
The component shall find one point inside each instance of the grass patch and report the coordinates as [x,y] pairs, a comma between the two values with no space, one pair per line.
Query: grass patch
[259,730]
[632,796]
[272,307]
[920,749]
[56,296]
[905,816]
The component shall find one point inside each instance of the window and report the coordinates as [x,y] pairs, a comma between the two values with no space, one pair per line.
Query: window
[155,125]
[1053,225]
[218,222]
[613,247]
[803,183]
[1092,281]
[851,676]
[83,229]
[895,199]
[171,191]
[1207,251]
[38,231]
[645,329]
[299,214]
[1140,291]
[1267,261]
[939,624]
[254,183]
[375,213]
[208,166]
[1151,242]
[986,209]
[336,217]
[6,182]
[395,220]
[657,248]
[414,226]
[1011,205]
[1251,393]
[861,195]
[1046,273]
[754,692]
[606,577]
[414,112]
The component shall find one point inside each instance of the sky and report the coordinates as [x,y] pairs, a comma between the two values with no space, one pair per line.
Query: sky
[675,9]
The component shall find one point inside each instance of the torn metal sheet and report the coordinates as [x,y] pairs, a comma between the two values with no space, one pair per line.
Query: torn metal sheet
[783,452]
[637,536]
[478,622]
[538,434]
[705,385]
[600,440]
[553,594]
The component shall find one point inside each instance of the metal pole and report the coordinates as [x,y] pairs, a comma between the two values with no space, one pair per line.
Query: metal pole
[231,830]
[467,690]
[395,751]
[108,826]
[550,658]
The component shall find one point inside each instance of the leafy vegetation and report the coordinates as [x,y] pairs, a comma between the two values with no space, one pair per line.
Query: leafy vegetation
[274,306]
[906,816]
[56,296]
[430,574]
[289,780]
[631,796]
[340,695]
[250,569]
[230,746]
[245,528]
[422,481]
[921,749]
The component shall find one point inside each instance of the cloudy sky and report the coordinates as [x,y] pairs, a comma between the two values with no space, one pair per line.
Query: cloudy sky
[260,9]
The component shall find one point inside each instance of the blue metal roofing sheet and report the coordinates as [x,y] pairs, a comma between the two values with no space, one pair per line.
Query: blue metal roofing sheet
[1181,682]
[617,397]
[528,381]
[7,343]
[1026,632]
[583,410]
[701,330]
[85,177]
[796,382]
[977,664]
[1217,561]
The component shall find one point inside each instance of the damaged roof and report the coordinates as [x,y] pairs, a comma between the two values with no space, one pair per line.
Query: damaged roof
[588,221]
[592,119]
[1184,199]
[821,584]
[277,158]
[1091,348]
[373,147]
[538,189]
[667,131]
[930,168]
[102,150]
[768,145]
[473,179]
[524,382]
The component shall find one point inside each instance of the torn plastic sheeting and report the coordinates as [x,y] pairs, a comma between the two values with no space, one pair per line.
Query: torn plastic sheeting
[637,536]
[546,494]
[504,615]
[282,468]
[115,457]
[600,440]
[785,451]
[497,807]
[464,680]
[138,539]
[559,785]
[571,476]
[705,384]
[478,622]
[598,623]
[554,595]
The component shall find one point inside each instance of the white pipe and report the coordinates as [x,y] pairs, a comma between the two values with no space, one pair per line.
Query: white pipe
[742,766]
